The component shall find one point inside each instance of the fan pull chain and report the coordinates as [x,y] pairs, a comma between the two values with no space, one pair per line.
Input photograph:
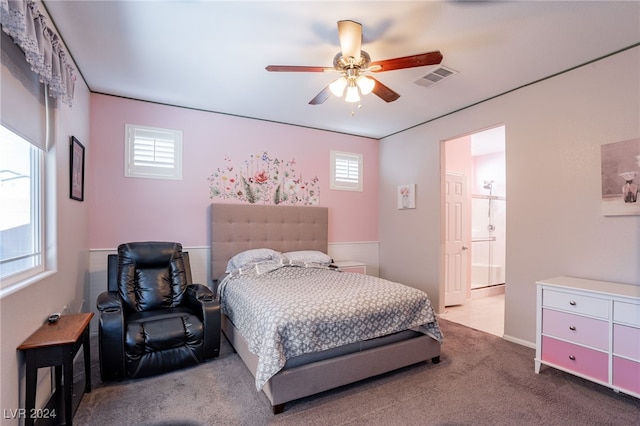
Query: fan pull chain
[353,110]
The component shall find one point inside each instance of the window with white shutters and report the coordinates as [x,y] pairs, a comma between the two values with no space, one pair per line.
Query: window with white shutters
[346,171]
[153,153]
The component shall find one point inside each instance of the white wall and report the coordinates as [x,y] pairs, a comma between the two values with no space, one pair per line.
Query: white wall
[554,130]
[23,311]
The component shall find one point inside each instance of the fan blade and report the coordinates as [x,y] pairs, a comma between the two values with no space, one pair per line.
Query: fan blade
[383,92]
[350,35]
[421,60]
[321,97]
[296,68]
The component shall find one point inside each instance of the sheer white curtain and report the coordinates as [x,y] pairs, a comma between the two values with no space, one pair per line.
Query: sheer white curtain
[23,21]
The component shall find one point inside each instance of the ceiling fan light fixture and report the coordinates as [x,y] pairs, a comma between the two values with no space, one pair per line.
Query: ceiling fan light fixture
[352,94]
[351,62]
[338,86]
[365,84]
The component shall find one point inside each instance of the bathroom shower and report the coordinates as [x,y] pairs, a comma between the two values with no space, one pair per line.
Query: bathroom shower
[488,236]
[488,184]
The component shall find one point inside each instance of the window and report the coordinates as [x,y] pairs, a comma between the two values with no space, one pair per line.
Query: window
[346,171]
[153,153]
[21,215]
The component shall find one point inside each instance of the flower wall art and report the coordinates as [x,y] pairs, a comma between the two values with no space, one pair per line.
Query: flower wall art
[263,179]
[407,196]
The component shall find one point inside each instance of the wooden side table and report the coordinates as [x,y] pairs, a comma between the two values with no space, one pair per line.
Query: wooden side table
[54,345]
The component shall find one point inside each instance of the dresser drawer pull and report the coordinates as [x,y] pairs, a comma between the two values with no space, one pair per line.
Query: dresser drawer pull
[572,357]
[572,327]
[573,303]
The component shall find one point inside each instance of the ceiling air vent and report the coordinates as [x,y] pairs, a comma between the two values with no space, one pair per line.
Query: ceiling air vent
[435,76]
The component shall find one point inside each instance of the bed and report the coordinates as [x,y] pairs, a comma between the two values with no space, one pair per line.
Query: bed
[298,371]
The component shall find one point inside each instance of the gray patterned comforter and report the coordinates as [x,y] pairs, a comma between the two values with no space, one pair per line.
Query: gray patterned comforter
[286,311]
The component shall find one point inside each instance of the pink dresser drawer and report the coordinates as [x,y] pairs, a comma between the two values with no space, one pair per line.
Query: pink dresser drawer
[585,361]
[626,374]
[626,341]
[578,329]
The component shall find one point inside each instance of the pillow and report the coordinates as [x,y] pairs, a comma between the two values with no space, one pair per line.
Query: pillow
[267,266]
[248,257]
[307,257]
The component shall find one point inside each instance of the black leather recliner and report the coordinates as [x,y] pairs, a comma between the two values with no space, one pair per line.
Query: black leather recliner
[152,318]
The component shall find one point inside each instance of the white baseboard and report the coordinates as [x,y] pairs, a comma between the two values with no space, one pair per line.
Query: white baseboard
[519,341]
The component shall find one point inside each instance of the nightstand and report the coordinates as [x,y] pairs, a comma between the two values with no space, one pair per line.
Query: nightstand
[54,345]
[351,266]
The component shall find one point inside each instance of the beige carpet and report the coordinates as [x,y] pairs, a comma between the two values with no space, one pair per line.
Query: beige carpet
[481,380]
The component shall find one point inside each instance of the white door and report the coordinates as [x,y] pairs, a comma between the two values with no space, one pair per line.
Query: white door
[456,236]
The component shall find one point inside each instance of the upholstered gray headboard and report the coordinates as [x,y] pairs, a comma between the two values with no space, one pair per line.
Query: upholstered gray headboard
[239,227]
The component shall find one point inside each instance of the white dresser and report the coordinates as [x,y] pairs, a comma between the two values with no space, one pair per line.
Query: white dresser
[590,329]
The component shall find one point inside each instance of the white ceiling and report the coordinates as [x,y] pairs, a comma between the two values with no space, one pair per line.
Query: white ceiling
[211,55]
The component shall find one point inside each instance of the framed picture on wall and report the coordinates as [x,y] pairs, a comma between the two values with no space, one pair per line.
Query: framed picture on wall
[76,162]
[407,196]
[620,170]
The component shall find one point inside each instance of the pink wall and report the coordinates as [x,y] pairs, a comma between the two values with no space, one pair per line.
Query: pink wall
[132,209]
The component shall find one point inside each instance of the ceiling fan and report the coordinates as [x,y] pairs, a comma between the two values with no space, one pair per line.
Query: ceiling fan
[354,64]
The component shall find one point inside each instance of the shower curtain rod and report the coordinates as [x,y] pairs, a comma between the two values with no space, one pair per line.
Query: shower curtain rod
[483,240]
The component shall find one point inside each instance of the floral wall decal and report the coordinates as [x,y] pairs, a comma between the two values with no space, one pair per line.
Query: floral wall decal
[263,179]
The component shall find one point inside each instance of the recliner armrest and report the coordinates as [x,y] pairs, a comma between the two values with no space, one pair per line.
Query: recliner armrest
[111,329]
[109,301]
[202,301]
[200,292]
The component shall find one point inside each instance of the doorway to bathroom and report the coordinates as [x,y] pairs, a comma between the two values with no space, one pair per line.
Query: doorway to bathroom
[479,160]
[488,209]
